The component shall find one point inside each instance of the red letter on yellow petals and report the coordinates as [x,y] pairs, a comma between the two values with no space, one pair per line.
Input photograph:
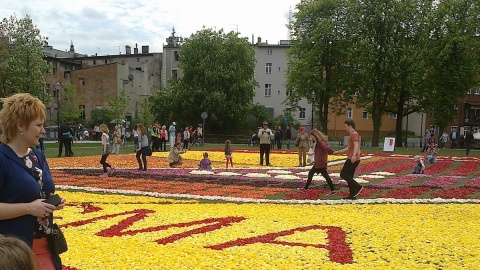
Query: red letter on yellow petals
[339,250]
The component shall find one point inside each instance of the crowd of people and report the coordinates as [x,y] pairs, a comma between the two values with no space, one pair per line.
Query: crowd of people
[26,215]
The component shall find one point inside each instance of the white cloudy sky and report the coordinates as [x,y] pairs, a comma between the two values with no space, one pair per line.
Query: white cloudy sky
[102,26]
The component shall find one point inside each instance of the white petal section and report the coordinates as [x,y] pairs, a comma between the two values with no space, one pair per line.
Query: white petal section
[228,174]
[279,172]
[372,176]
[289,177]
[201,172]
[383,173]
[257,175]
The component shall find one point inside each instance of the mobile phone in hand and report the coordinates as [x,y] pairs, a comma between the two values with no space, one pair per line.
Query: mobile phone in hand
[53,200]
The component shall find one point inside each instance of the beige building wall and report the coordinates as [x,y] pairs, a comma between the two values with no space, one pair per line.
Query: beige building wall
[270,72]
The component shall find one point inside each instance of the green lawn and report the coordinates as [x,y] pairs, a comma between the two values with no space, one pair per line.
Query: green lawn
[94,148]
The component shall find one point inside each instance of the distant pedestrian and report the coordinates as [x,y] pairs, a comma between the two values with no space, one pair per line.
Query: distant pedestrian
[186,137]
[117,140]
[279,137]
[454,138]
[265,135]
[288,137]
[172,134]
[353,159]
[425,140]
[105,151]
[142,147]
[303,143]
[163,139]
[228,154]
[444,139]
[468,142]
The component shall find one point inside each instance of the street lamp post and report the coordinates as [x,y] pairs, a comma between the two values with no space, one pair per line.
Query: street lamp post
[57,91]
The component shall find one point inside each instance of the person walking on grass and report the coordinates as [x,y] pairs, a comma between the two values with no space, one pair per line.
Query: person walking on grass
[228,153]
[321,157]
[105,151]
[353,160]
[142,147]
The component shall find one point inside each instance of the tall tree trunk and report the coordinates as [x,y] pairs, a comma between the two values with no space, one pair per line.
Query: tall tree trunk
[398,123]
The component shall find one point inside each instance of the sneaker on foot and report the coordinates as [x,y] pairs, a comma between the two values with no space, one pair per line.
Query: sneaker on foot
[357,192]
[349,198]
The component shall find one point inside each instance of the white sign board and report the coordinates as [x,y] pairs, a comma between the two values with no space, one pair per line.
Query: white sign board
[389,144]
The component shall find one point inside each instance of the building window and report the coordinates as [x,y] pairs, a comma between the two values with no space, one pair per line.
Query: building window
[364,115]
[138,59]
[350,113]
[176,56]
[81,81]
[302,113]
[268,68]
[392,116]
[288,92]
[268,90]
[469,91]
[288,112]
[477,91]
[106,61]
[269,51]
[54,68]
[174,74]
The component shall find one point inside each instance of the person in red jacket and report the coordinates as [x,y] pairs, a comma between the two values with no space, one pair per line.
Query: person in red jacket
[321,156]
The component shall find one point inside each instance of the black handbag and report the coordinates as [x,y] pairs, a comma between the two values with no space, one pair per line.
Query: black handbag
[148,152]
[56,240]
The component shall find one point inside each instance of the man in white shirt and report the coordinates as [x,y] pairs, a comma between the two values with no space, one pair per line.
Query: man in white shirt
[265,134]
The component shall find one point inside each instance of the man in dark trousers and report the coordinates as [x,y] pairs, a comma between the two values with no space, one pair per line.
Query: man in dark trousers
[288,136]
[468,142]
[63,138]
[353,160]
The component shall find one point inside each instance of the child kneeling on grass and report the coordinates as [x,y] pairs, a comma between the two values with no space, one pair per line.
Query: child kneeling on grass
[174,157]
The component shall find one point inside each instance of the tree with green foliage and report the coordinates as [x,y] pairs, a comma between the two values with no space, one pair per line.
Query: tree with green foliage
[23,66]
[284,120]
[117,107]
[218,78]
[145,115]
[452,58]
[69,106]
[318,60]
[99,116]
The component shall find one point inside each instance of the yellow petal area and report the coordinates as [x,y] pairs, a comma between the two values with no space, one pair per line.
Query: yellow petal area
[384,236]
[287,159]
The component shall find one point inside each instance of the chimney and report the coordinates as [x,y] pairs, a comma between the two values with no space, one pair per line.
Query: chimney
[259,40]
[128,49]
[135,50]
[145,49]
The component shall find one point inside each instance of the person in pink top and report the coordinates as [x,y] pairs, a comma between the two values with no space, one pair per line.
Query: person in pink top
[353,160]
[321,156]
